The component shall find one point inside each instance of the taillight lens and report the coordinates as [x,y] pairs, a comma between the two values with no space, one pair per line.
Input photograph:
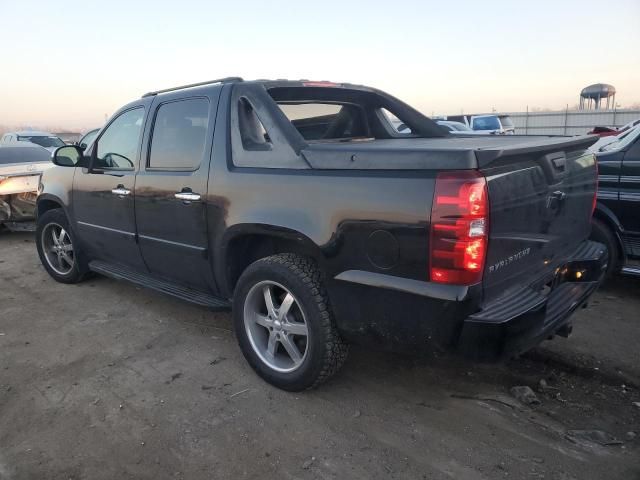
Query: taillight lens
[459,228]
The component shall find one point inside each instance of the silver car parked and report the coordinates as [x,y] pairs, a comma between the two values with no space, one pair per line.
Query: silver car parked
[43,139]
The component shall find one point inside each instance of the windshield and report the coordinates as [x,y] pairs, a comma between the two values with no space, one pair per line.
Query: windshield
[486,123]
[43,141]
[622,141]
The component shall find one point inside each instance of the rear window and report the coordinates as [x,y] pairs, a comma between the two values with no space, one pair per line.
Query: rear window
[326,121]
[486,123]
[340,114]
[9,154]
[43,141]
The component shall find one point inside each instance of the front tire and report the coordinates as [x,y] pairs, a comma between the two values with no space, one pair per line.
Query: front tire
[284,323]
[58,248]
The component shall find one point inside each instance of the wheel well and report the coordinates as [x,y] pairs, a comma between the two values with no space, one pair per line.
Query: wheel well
[46,205]
[610,224]
[242,251]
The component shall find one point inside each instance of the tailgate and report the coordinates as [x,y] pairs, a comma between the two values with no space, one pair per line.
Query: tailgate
[540,211]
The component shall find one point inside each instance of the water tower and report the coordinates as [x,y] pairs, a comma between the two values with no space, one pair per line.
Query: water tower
[594,95]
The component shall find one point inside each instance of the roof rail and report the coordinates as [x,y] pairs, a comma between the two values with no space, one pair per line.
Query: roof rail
[199,84]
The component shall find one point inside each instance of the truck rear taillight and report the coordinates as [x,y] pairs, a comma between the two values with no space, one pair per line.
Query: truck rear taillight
[459,228]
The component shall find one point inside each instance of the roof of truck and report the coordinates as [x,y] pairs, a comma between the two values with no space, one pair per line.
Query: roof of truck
[271,83]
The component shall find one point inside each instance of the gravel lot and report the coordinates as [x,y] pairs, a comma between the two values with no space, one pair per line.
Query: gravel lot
[105,380]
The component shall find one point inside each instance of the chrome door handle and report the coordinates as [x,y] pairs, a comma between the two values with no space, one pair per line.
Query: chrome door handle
[187,196]
[121,191]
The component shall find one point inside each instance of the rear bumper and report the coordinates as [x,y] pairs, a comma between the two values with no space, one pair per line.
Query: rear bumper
[514,324]
[405,315]
[18,207]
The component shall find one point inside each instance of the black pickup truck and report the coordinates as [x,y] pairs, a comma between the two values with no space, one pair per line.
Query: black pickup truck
[616,222]
[299,205]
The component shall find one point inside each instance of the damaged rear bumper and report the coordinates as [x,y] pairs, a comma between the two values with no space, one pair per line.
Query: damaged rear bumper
[18,195]
[517,323]
[19,207]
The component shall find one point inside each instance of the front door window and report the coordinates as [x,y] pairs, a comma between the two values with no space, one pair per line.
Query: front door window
[118,145]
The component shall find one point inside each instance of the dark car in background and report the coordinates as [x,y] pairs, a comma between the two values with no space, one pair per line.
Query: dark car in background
[616,220]
[613,131]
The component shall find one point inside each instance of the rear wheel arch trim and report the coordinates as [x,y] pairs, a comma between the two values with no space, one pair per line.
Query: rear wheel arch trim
[605,216]
[225,276]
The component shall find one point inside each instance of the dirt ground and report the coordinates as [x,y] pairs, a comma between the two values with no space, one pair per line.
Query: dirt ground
[105,380]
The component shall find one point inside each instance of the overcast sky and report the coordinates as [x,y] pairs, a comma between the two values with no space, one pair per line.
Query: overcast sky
[70,63]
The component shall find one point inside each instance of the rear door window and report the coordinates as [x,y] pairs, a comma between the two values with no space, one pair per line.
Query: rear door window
[179,135]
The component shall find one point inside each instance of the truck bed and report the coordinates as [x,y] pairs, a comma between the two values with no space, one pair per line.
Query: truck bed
[454,153]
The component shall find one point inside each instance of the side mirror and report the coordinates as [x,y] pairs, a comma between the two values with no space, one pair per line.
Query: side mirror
[67,156]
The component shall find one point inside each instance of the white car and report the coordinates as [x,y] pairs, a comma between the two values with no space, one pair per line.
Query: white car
[21,165]
[459,128]
[43,139]
[495,124]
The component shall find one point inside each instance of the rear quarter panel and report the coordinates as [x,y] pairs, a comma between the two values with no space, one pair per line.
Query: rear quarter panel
[363,222]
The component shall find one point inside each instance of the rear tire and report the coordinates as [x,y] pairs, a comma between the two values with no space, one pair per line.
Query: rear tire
[601,233]
[284,323]
[58,248]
